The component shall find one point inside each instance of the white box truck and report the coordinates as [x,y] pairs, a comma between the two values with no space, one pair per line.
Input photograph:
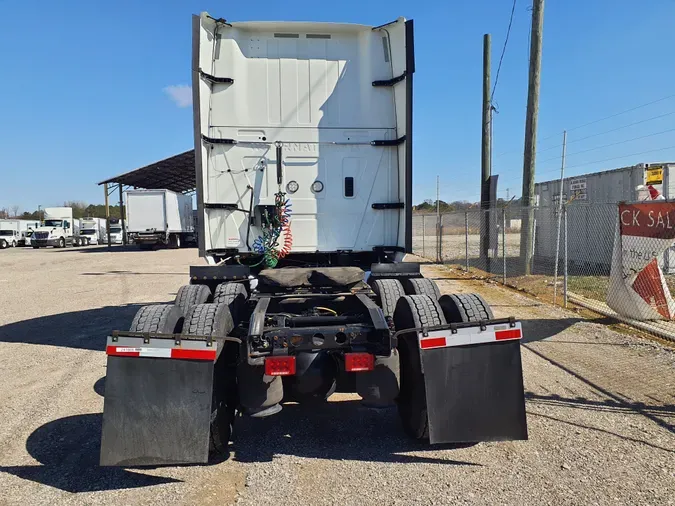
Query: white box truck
[157,217]
[10,236]
[92,231]
[58,228]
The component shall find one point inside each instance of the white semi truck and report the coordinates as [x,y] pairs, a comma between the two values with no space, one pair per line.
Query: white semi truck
[303,147]
[159,217]
[58,229]
[92,231]
[26,228]
[116,232]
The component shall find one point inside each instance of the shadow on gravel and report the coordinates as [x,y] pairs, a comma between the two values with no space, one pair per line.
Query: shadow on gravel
[85,329]
[116,248]
[131,273]
[332,430]
[653,413]
[537,330]
[68,451]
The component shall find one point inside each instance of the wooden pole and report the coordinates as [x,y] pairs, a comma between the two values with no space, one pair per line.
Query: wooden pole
[486,156]
[107,215]
[527,233]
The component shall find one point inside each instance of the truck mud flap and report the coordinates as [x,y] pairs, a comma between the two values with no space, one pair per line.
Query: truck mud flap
[157,404]
[474,384]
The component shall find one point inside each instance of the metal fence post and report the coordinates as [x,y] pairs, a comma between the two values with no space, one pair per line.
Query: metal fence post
[440,241]
[504,246]
[423,234]
[557,256]
[565,257]
[466,238]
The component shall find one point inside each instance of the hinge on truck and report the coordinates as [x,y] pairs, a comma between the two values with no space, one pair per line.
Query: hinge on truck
[212,140]
[392,142]
[390,82]
[388,205]
[214,79]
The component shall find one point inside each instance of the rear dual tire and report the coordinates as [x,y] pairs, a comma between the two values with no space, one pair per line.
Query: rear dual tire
[216,320]
[414,311]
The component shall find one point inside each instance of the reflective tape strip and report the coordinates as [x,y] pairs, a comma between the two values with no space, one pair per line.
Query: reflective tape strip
[177,353]
[469,336]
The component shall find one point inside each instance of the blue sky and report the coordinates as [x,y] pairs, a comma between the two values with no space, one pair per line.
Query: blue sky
[83,92]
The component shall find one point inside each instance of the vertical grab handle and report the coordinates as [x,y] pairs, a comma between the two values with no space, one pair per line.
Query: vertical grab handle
[280,174]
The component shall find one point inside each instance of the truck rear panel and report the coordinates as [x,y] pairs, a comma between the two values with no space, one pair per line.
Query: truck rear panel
[146,211]
[310,109]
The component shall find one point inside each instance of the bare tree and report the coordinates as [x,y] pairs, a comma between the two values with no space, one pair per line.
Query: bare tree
[4,213]
[15,210]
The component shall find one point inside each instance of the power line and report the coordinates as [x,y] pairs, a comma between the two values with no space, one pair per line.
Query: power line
[501,58]
[598,120]
[608,159]
[609,145]
[608,131]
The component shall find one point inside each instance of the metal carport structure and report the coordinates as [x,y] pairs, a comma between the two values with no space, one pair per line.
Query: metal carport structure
[176,173]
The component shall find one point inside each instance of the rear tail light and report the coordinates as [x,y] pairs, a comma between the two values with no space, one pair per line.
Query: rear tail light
[280,366]
[356,362]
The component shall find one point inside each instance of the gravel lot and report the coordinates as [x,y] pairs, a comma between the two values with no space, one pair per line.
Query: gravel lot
[601,409]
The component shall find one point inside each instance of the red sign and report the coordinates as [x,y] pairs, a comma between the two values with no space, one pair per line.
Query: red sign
[655,220]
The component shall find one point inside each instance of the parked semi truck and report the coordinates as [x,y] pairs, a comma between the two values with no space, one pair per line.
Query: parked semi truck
[26,229]
[303,147]
[116,232]
[159,217]
[58,229]
[92,231]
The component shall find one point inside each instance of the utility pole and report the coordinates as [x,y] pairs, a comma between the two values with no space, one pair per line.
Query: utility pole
[486,154]
[507,194]
[527,231]
[438,219]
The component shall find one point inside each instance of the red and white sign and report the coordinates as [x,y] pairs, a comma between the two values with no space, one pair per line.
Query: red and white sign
[637,287]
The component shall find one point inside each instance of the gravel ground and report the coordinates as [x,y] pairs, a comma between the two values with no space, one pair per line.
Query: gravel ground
[600,409]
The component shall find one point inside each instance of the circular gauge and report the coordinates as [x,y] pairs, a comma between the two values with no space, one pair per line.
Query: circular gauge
[292,187]
[317,186]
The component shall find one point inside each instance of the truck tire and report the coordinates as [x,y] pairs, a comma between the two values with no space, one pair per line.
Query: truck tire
[191,295]
[62,243]
[35,246]
[206,320]
[3,244]
[160,318]
[174,241]
[421,286]
[414,311]
[465,307]
[389,291]
[13,244]
[234,295]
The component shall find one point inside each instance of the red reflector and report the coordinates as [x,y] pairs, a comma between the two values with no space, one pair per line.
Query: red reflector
[355,362]
[193,354]
[280,366]
[507,334]
[432,342]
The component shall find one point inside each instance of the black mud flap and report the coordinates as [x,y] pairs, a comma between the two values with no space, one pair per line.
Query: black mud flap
[475,393]
[156,411]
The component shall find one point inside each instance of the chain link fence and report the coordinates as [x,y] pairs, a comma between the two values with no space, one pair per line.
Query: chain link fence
[570,253]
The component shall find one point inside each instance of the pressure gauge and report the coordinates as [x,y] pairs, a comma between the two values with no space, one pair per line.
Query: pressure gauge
[317,186]
[292,187]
